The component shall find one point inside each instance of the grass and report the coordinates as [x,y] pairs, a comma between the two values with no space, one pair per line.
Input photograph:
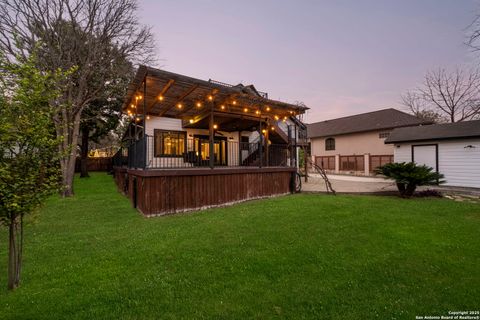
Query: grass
[299,256]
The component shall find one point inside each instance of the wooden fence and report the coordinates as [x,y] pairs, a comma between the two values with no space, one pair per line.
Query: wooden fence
[352,163]
[325,162]
[96,164]
[379,160]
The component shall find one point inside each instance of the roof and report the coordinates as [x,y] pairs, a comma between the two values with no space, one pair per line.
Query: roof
[457,130]
[170,94]
[364,122]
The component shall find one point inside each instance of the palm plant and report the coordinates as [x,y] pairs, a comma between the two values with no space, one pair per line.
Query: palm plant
[409,175]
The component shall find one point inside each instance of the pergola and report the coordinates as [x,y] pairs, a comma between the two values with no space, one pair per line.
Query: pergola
[201,104]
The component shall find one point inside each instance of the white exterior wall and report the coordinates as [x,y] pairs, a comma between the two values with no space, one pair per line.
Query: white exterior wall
[176,125]
[459,165]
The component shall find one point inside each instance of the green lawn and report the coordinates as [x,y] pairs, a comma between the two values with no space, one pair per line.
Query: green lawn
[300,256]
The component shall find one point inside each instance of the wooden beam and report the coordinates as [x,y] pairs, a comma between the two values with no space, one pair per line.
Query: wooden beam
[180,99]
[162,93]
[237,115]
[227,99]
[185,110]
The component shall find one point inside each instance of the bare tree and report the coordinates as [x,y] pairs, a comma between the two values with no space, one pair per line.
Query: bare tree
[474,34]
[89,36]
[444,96]
[416,105]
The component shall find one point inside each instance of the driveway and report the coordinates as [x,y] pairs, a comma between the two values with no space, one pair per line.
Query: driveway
[348,184]
[356,184]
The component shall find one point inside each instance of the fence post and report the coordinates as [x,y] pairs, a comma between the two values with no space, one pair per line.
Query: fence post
[366,159]
[337,163]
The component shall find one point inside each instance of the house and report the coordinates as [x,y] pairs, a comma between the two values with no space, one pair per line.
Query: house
[355,144]
[196,144]
[452,149]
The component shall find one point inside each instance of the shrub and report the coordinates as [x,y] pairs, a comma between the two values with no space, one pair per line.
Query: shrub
[409,175]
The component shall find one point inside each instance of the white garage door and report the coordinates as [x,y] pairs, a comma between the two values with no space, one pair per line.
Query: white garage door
[425,155]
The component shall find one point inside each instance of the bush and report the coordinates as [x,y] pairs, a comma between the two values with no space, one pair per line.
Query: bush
[409,175]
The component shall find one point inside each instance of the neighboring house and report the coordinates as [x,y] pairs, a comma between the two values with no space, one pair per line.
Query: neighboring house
[355,144]
[452,149]
[194,144]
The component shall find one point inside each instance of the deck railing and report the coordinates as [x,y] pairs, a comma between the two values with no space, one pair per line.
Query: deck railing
[149,153]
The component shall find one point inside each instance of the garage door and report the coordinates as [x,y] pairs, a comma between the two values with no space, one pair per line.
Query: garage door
[425,155]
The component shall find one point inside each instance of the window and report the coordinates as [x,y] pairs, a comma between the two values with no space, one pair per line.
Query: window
[383,135]
[169,143]
[329,144]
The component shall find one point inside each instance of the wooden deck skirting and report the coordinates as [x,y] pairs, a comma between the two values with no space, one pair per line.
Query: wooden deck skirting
[161,192]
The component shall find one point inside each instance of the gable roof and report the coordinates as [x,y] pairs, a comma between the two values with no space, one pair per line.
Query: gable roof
[465,129]
[364,122]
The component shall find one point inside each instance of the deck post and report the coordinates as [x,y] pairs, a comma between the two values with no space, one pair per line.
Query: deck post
[145,144]
[266,146]
[240,146]
[211,140]
[260,143]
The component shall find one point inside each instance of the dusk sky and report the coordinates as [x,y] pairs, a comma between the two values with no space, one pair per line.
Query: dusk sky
[338,57]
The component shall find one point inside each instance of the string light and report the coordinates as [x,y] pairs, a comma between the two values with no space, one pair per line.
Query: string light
[276,117]
[138,119]
[179,106]
[234,102]
[257,112]
[264,131]
[268,109]
[245,110]
[191,120]
[222,107]
[199,104]
[210,97]
[273,128]
[215,126]
[160,98]
[148,117]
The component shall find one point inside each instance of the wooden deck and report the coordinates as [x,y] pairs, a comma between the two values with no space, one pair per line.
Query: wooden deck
[160,192]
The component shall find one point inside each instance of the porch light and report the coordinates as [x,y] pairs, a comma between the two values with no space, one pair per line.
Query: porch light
[179,106]
[245,110]
[199,104]
[191,120]
[215,126]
